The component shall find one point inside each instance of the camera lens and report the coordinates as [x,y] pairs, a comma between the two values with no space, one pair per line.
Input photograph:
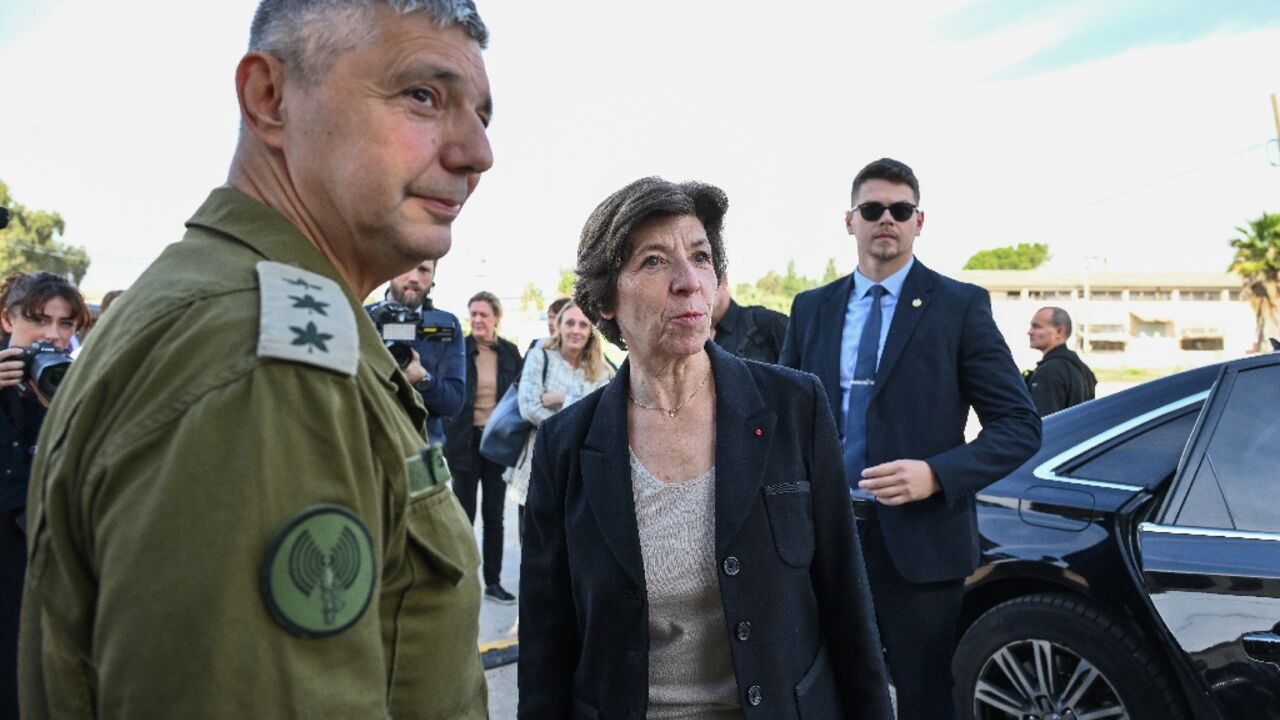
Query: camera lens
[402,353]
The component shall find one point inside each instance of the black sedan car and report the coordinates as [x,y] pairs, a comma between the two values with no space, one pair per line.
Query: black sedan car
[1131,569]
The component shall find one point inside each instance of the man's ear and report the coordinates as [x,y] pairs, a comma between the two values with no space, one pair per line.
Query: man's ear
[260,90]
[5,322]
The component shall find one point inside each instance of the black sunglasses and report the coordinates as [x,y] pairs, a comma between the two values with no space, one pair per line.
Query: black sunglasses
[873,211]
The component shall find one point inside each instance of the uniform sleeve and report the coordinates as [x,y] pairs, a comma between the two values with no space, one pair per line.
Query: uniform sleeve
[532,387]
[840,576]
[181,514]
[447,393]
[992,385]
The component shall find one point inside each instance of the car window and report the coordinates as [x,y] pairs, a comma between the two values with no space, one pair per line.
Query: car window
[1239,475]
[1145,459]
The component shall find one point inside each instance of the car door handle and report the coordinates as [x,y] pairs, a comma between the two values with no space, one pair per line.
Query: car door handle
[1263,646]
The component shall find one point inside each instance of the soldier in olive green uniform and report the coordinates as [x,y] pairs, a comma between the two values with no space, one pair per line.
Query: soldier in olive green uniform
[234,513]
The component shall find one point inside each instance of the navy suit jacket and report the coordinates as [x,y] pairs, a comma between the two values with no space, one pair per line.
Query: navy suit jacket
[942,356]
[797,606]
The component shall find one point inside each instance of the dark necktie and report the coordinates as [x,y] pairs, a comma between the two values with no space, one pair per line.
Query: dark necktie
[860,392]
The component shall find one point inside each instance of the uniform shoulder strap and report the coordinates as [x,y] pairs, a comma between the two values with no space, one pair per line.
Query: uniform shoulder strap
[305,318]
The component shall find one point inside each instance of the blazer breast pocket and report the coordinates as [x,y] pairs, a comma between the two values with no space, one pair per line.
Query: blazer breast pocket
[790,510]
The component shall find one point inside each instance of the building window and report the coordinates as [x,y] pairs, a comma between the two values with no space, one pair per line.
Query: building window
[1202,343]
[1106,346]
[1013,295]
[1106,295]
[1234,295]
[1202,295]
[1150,295]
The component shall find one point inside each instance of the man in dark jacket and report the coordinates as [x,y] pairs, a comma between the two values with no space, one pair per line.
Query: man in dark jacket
[753,332]
[1061,379]
[439,372]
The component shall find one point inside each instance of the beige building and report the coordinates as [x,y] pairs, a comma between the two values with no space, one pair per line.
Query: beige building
[1126,320]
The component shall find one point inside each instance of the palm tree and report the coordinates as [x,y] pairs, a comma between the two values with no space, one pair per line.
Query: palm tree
[1257,262]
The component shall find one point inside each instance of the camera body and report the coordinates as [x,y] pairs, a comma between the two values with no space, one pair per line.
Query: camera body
[398,327]
[45,365]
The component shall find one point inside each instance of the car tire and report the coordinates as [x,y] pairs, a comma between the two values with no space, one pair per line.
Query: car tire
[1033,657]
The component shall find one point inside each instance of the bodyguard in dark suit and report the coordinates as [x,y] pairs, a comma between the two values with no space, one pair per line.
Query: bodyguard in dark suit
[904,353]
[689,547]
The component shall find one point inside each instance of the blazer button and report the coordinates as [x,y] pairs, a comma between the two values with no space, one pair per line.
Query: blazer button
[754,696]
[731,566]
[744,630]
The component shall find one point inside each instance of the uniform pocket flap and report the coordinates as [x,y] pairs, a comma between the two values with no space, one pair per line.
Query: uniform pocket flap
[439,529]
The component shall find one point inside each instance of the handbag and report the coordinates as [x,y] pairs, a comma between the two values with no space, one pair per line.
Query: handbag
[505,434]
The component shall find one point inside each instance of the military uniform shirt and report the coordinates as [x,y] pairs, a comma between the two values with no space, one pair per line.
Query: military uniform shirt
[229,516]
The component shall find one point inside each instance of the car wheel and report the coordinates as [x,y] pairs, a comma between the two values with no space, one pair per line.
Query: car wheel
[1055,657]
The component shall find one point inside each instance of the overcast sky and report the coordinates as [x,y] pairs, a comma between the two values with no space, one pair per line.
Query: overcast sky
[1131,130]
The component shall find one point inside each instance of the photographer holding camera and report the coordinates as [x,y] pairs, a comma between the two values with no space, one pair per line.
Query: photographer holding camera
[431,352]
[39,314]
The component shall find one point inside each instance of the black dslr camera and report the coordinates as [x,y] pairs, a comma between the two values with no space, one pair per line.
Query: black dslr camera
[45,364]
[398,327]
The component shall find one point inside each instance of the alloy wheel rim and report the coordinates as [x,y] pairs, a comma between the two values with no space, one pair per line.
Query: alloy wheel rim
[1042,680]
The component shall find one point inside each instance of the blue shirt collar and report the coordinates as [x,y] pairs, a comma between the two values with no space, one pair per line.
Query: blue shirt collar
[893,283]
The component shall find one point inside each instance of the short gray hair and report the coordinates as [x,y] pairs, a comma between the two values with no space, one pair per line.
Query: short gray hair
[1059,318]
[307,35]
[605,245]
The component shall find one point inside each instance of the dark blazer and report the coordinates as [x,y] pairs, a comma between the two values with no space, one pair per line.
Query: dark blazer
[796,604]
[459,430]
[943,354]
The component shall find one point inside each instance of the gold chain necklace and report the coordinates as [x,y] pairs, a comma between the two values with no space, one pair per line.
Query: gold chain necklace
[672,412]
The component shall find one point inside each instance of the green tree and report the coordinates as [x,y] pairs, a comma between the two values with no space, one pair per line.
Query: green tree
[531,297]
[832,273]
[28,244]
[1257,262]
[565,287]
[1023,256]
[775,291]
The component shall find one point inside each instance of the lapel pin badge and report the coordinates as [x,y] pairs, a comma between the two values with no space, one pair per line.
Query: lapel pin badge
[917,302]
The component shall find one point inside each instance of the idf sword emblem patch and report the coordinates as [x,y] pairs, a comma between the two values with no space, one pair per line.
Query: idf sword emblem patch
[319,572]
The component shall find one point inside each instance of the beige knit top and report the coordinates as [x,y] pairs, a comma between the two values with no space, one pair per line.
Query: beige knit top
[690,665]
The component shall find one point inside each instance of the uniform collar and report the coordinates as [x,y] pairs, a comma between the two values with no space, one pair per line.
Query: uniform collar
[267,232]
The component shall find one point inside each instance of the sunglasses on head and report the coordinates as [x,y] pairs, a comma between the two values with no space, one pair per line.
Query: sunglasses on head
[873,211]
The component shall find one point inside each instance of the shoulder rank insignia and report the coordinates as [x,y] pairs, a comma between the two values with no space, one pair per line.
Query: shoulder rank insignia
[306,318]
[319,572]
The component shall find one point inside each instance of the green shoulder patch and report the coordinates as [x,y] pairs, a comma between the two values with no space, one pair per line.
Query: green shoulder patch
[305,318]
[319,571]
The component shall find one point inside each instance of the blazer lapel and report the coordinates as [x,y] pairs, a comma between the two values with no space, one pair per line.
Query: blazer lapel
[831,315]
[744,437]
[917,287]
[606,475]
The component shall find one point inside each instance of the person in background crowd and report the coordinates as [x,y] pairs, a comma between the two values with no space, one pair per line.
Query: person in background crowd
[493,363]
[34,308]
[109,298]
[575,365]
[552,311]
[439,368]
[904,353]
[1061,379]
[753,332]
[689,547]
[241,516]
